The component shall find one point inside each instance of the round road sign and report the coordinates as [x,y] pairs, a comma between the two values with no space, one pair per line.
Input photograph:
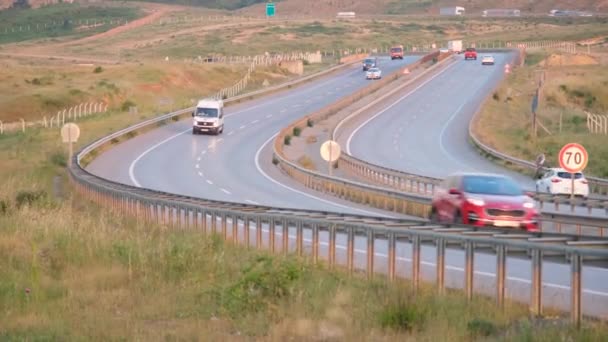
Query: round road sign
[70,132]
[573,157]
[330,151]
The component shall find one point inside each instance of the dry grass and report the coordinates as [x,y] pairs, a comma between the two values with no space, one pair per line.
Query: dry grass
[307,163]
[505,122]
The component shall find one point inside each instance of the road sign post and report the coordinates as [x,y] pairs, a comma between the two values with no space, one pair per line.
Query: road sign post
[270,9]
[573,158]
[330,152]
[69,134]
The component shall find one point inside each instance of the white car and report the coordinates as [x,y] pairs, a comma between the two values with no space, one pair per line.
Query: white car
[487,60]
[558,181]
[373,74]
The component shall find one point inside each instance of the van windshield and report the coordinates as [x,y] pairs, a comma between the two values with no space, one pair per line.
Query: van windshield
[396,50]
[206,112]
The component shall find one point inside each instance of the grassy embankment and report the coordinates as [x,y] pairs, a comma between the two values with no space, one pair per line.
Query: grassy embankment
[60,20]
[569,91]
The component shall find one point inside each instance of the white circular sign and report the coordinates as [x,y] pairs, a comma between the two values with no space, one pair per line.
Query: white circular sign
[70,132]
[330,151]
[573,157]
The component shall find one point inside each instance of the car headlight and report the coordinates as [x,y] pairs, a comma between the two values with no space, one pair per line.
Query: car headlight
[476,201]
[529,205]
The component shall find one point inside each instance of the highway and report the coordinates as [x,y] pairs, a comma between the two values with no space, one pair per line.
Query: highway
[227,167]
[424,130]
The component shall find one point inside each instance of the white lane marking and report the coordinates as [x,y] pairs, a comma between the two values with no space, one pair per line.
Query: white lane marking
[220,140]
[132,166]
[448,267]
[242,127]
[198,159]
[283,110]
[200,174]
[209,182]
[257,165]
[350,137]
[442,133]
[265,103]
[197,166]
[226,191]
[203,152]
[231,133]
[268,116]
[252,202]
[255,121]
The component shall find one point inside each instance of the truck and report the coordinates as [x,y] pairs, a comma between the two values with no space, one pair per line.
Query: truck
[470,53]
[208,117]
[455,46]
[397,52]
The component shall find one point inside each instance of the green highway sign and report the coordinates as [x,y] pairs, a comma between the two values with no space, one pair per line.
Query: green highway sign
[270,9]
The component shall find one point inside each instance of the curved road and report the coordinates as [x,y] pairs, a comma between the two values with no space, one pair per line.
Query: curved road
[426,132]
[227,167]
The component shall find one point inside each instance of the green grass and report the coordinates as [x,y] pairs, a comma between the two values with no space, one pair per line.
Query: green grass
[219,4]
[59,20]
[505,123]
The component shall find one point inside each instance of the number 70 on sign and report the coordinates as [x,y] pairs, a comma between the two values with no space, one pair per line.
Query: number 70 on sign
[573,157]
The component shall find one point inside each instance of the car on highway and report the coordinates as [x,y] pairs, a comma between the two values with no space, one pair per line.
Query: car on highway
[397,52]
[373,74]
[371,62]
[557,181]
[470,53]
[481,199]
[208,117]
[487,60]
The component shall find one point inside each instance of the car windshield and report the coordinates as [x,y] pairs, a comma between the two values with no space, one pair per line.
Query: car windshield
[206,112]
[374,70]
[470,49]
[369,61]
[487,57]
[568,175]
[491,185]
[396,50]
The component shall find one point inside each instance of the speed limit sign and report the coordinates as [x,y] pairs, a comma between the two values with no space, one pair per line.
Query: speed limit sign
[573,157]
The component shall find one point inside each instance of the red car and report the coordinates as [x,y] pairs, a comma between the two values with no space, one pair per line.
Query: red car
[470,53]
[484,200]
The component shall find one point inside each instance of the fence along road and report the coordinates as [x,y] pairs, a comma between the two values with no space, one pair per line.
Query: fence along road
[357,241]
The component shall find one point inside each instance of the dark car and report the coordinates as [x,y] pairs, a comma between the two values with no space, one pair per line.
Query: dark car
[484,200]
[369,63]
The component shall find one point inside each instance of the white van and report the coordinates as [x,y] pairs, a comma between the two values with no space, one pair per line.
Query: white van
[208,117]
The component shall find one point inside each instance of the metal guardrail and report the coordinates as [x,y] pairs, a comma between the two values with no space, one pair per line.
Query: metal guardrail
[235,222]
[386,189]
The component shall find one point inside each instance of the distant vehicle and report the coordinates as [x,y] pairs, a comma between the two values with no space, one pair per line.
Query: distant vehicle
[208,117]
[501,12]
[373,74]
[470,53]
[457,10]
[483,200]
[397,52]
[369,63]
[455,46]
[444,50]
[487,60]
[557,181]
[345,15]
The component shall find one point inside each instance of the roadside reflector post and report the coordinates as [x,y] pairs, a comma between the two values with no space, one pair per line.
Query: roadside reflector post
[415,262]
[469,268]
[501,275]
[576,263]
[440,265]
[537,285]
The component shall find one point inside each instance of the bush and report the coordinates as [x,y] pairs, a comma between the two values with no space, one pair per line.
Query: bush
[400,317]
[305,62]
[59,159]
[297,131]
[275,160]
[131,134]
[98,70]
[309,123]
[114,141]
[29,197]
[287,140]
[481,327]
[3,207]
[126,105]
[495,96]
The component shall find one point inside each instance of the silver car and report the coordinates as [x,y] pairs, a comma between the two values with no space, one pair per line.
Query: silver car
[373,74]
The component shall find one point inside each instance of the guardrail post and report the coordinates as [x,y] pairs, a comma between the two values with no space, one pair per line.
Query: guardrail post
[271,234]
[370,254]
[315,243]
[350,250]
[247,225]
[299,238]
[391,255]
[258,233]
[440,266]
[224,218]
[469,268]
[576,263]
[180,212]
[235,229]
[537,285]
[213,223]
[332,246]
[204,221]
[415,262]
[501,274]
[285,236]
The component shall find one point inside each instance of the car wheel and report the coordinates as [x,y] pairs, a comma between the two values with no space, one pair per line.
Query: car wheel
[457,218]
[222,129]
[194,131]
